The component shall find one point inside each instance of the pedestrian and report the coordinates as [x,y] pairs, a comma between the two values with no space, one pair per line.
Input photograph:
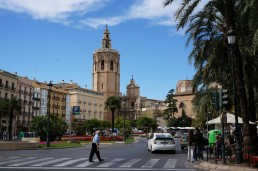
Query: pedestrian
[190,145]
[199,143]
[218,147]
[95,147]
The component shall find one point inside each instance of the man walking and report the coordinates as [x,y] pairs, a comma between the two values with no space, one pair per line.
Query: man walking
[95,147]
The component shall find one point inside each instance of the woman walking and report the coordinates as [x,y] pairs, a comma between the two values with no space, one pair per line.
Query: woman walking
[190,145]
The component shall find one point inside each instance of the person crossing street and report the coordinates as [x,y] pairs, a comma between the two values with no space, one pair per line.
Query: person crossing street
[95,147]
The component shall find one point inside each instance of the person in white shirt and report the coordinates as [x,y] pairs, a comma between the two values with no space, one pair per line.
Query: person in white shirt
[95,147]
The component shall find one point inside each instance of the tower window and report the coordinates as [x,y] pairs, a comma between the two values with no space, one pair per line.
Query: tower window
[95,64]
[102,86]
[102,64]
[111,65]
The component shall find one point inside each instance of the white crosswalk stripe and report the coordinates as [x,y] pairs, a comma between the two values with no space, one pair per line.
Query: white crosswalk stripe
[50,162]
[107,164]
[84,163]
[70,162]
[171,163]
[16,160]
[150,163]
[31,161]
[130,163]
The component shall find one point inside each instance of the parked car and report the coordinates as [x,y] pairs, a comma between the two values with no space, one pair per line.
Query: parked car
[184,140]
[161,141]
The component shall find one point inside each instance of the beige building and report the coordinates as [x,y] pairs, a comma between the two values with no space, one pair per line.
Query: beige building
[91,102]
[53,95]
[106,70]
[184,95]
[8,89]
[25,94]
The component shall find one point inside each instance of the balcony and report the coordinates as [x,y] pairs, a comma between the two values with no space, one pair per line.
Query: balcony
[25,92]
[63,107]
[20,91]
[1,85]
[36,99]
[79,101]
[25,102]
[30,102]
[63,99]
[7,87]
[56,98]
[95,104]
[89,103]
[13,89]
[35,108]
[84,102]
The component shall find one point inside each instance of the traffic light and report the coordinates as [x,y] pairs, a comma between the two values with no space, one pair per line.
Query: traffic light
[215,99]
[223,94]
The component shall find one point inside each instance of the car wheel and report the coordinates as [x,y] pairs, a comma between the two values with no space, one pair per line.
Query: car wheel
[173,151]
[182,148]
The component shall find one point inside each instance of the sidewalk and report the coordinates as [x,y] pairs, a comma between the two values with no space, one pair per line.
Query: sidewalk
[211,166]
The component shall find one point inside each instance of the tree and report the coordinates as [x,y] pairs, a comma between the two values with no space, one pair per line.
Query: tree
[10,107]
[124,125]
[171,102]
[210,26]
[112,104]
[182,121]
[57,127]
[145,122]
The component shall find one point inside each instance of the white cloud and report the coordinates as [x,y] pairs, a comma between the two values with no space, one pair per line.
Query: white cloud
[154,10]
[52,10]
[96,22]
[63,11]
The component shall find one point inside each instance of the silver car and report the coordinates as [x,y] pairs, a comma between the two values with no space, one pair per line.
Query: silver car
[162,142]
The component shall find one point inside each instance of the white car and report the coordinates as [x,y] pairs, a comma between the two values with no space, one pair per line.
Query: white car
[161,141]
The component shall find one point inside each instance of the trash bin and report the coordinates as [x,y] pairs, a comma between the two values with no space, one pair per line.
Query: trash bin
[212,136]
[21,135]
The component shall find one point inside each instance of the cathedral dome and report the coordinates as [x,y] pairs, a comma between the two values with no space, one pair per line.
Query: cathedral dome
[184,87]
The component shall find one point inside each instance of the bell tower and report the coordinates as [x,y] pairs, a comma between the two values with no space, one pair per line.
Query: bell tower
[106,68]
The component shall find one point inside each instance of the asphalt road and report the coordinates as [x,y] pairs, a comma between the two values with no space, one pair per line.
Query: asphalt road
[124,157]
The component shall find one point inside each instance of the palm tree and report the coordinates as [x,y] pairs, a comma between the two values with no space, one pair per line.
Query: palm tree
[112,104]
[10,107]
[208,28]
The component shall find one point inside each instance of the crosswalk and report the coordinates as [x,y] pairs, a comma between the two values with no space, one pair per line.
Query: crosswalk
[119,163]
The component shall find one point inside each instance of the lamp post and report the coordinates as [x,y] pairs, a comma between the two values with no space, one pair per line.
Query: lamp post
[231,35]
[48,112]
[124,117]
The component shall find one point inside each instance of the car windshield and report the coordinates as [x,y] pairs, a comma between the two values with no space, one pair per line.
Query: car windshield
[163,136]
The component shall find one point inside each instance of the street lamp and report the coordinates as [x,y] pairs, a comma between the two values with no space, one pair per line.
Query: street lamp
[48,112]
[231,35]
[124,117]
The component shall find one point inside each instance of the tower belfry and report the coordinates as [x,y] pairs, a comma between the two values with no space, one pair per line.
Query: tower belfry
[106,42]
[106,68]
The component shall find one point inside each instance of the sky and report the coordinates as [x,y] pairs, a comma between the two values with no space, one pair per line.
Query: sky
[55,40]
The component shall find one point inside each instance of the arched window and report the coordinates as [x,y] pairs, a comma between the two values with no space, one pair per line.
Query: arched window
[102,64]
[95,65]
[182,105]
[111,65]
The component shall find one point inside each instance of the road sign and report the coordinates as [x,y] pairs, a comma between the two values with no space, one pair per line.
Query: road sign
[76,110]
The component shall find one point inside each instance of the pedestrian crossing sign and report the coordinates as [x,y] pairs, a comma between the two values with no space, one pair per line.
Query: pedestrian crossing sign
[76,110]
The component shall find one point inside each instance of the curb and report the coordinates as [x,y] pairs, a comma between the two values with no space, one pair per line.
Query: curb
[219,167]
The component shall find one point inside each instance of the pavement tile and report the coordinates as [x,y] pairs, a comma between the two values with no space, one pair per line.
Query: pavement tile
[236,168]
[223,167]
[213,166]
[249,169]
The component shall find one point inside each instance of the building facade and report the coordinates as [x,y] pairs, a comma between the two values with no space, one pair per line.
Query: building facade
[8,90]
[106,70]
[184,95]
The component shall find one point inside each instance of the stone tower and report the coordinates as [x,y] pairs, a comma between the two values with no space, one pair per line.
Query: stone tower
[106,69]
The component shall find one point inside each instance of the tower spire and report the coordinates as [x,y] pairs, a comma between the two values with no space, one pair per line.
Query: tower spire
[106,42]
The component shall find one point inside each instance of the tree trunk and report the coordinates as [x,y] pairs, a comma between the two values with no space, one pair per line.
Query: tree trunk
[113,116]
[10,125]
